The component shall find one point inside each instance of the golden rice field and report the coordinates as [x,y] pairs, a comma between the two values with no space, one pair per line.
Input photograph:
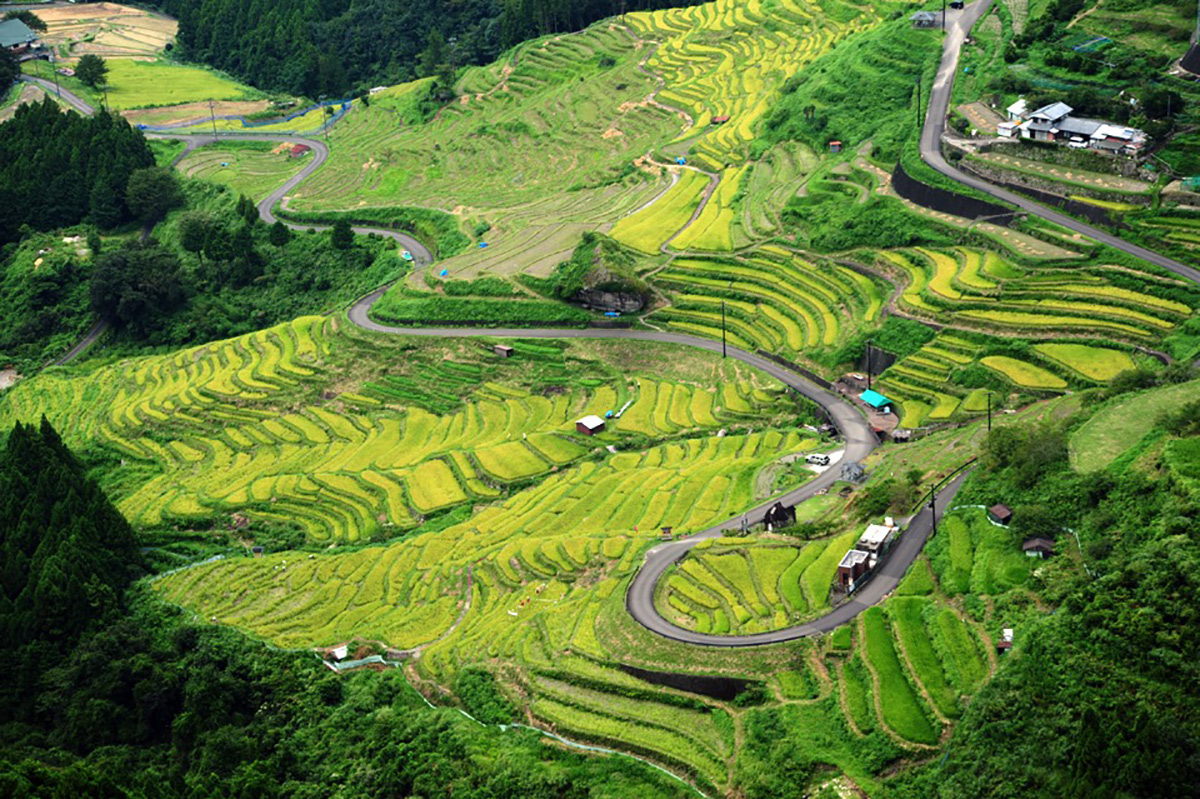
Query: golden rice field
[220,429]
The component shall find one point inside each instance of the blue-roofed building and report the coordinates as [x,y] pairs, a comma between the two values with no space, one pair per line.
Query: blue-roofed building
[876,400]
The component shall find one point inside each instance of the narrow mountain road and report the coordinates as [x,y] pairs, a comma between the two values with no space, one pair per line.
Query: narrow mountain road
[72,99]
[860,441]
[961,23]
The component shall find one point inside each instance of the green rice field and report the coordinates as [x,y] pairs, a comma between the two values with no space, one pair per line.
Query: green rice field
[254,169]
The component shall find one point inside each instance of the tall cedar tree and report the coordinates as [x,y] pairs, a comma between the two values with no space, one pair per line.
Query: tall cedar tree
[67,556]
[58,169]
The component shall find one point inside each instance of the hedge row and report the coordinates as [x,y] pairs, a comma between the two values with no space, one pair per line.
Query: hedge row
[438,310]
[429,225]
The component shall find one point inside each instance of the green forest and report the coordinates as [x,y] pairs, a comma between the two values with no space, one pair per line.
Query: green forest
[339,46]
[57,169]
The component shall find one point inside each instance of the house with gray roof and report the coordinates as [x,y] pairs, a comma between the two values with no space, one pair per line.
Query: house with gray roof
[16,36]
[1054,123]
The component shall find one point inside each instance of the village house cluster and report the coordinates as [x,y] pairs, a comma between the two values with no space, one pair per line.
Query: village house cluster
[1054,123]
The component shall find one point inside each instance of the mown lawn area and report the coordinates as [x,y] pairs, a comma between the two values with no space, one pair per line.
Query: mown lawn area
[139,84]
[1103,438]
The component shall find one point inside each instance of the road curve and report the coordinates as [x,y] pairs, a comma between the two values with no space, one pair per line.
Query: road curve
[74,100]
[859,439]
[931,151]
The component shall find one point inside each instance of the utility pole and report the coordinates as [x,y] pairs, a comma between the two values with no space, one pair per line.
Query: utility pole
[868,364]
[989,399]
[943,14]
[918,103]
[325,115]
[212,117]
[933,508]
[724,353]
[54,74]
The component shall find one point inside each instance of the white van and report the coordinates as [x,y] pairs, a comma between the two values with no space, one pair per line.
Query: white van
[817,459]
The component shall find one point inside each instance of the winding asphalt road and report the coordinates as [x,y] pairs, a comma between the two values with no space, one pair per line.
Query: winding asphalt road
[860,441]
[961,23]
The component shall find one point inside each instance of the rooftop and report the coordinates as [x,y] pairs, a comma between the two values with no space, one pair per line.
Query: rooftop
[1079,126]
[875,535]
[853,558]
[1052,112]
[591,422]
[1019,107]
[874,398]
[15,32]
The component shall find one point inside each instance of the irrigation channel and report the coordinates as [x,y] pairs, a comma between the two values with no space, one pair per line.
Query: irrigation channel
[849,421]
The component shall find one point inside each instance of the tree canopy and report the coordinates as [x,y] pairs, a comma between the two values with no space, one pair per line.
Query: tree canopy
[58,169]
[331,47]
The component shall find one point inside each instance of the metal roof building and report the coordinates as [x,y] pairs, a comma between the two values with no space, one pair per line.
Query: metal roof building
[15,34]
[875,399]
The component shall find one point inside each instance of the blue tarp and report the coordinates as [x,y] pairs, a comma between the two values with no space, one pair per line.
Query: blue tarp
[874,399]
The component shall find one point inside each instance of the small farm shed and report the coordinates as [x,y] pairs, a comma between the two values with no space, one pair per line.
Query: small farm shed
[256,551]
[15,36]
[1017,111]
[340,652]
[1038,547]
[298,150]
[590,425]
[666,534]
[835,146]
[503,350]
[926,19]
[779,515]
[876,400]
[719,119]
[1002,647]
[1000,514]
[1007,130]
[854,565]
[902,435]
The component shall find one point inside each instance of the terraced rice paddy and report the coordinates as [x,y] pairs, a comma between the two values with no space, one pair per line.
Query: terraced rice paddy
[982,290]
[250,168]
[971,555]
[571,126]
[550,113]
[774,300]
[1024,374]
[1094,363]
[216,430]
[728,58]
[109,30]
[970,288]
[647,229]
[744,586]
[533,582]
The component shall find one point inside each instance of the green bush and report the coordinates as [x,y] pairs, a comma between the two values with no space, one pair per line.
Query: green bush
[436,229]
[437,310]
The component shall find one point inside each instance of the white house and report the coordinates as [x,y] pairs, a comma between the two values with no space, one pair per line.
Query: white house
[1054,123]
[1016,111]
